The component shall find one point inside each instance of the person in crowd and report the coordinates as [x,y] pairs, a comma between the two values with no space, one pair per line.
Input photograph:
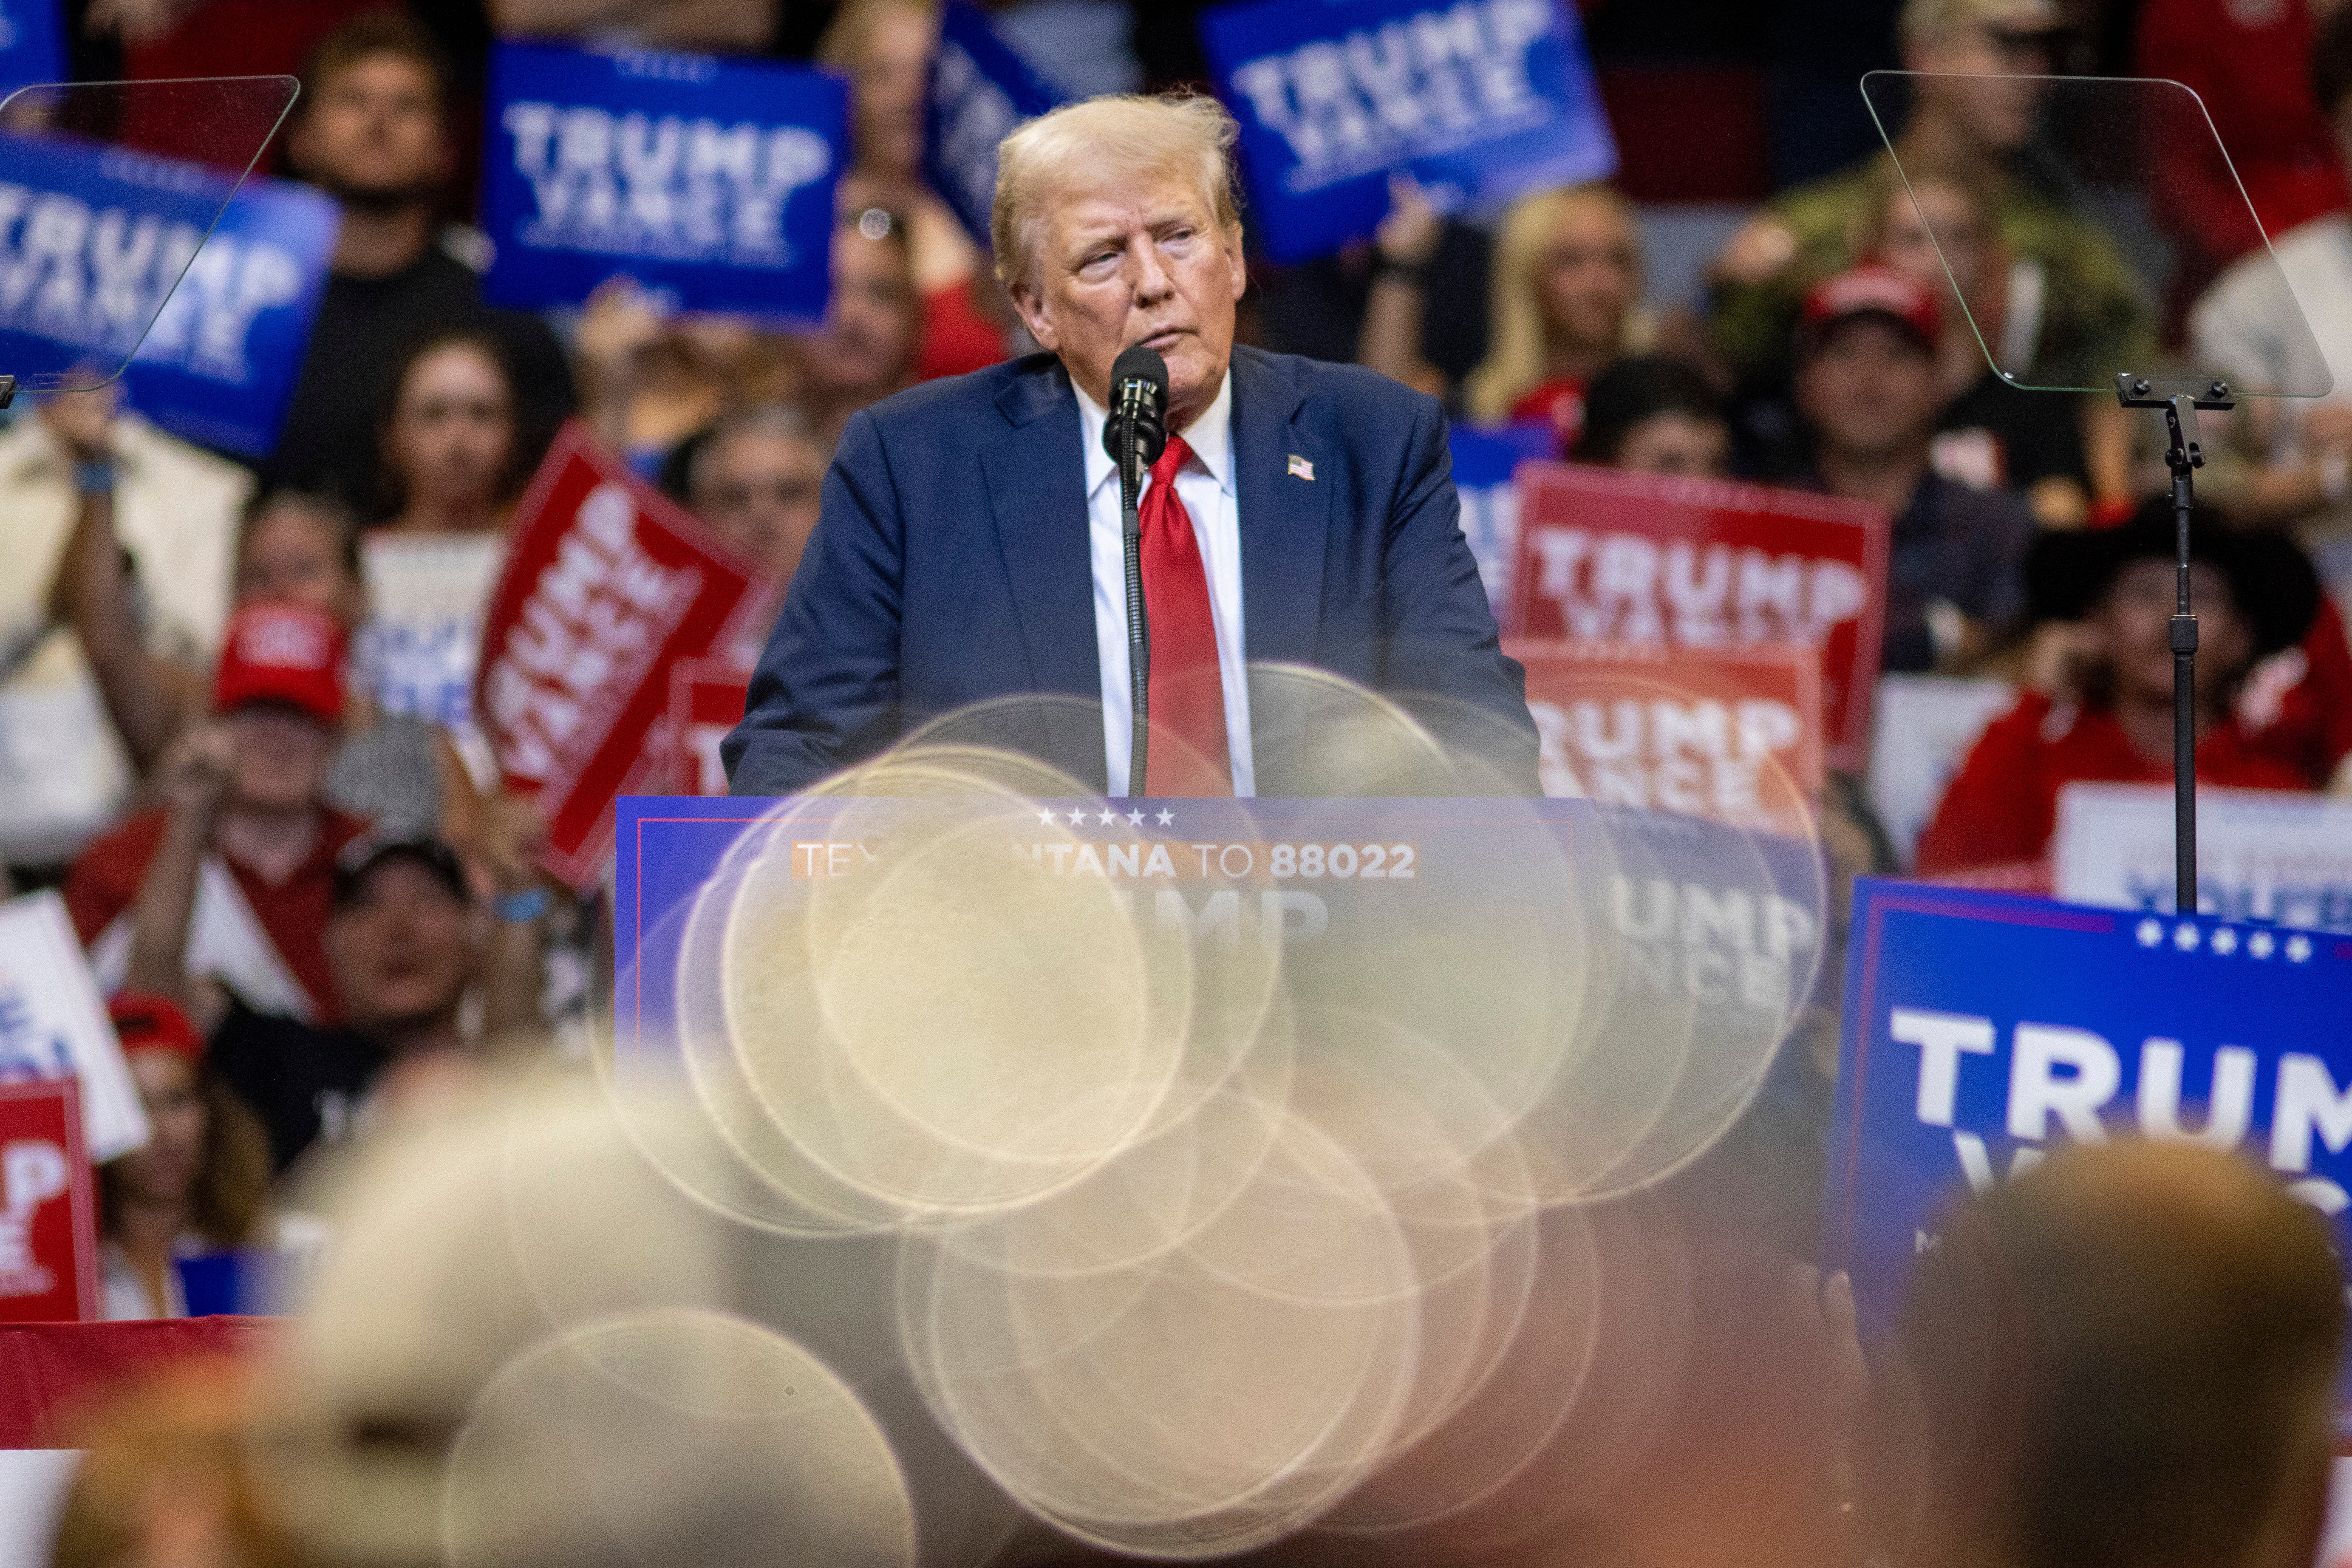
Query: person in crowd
[1564,303]
[649,378]
[405,939]
[2251,66]
[756,477]
[741,26]
[2124,1356]
[172,510]
[195,1188]
[2299,448]
[371,131]
[2098,703]
[2092,316]
[396,770]
[1410,302]
[866,348]
[884,47]
[1866,389]
[245,819]
[1938,231]
[1115,227]
[1655,414]
[451,470]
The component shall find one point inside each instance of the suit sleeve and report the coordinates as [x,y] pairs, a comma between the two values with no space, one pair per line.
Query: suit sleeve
[825,693]
[1441,638]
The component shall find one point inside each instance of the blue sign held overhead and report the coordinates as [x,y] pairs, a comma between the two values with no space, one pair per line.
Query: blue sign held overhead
[93,240]
[710,179]
[32,43]
[1478,100]
[1983,1029]
[980,91]
[1484,459]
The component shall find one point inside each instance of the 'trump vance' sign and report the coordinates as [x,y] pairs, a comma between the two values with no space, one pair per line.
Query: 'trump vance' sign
[1478,100]
[980,91]
[711,178]
[1982,1029]
[93,240]
[1609,556]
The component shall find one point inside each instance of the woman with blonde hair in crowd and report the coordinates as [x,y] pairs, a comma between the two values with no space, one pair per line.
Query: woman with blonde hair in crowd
[1566,303]
[194,1191]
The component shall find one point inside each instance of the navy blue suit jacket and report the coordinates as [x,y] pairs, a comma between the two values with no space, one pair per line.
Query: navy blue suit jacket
[951,565]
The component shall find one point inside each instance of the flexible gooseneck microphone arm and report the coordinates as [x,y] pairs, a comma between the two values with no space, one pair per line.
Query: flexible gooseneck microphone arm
[1135,436]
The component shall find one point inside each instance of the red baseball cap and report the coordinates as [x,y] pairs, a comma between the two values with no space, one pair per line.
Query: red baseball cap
[1872,291]
[281,653]
[147,1023]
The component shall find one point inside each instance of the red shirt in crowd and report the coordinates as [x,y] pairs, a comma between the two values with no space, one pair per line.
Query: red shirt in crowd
[293,913]
[2003,806]
[957,338]
[2250,61]
[1559,403]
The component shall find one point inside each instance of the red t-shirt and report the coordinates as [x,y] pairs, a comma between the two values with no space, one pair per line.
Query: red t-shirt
[2002,807]
[104,882]
[1559,404]
[957,338]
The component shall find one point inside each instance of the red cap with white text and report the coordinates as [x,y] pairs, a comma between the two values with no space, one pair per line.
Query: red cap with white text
[1872,291]
[285,654]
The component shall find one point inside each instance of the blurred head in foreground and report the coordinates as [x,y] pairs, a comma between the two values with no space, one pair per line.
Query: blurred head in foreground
[2126,1359]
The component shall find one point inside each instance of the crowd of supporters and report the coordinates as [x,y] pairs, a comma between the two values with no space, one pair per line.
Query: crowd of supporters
[284,839]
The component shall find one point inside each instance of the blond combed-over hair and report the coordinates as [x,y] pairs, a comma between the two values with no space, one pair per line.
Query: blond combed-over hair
[1117,139]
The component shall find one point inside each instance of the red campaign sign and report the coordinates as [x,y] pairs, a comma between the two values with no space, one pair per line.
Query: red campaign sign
[1735,735]
[707,696]
[1610,556]
[609,583]
[49,1207]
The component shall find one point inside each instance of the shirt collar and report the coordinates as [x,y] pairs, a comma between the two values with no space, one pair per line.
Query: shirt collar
[1211,436]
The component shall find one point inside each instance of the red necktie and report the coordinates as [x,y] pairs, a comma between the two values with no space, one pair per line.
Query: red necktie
[1188,755]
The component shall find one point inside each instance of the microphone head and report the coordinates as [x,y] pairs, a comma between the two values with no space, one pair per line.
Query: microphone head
[1139,393]
[1141,363]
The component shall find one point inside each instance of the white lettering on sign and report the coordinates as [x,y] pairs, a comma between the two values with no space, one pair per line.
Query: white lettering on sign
[94,278]
[661,187]
[1702,758]
[32,1172]
[1626,587]
[596,618]
[2062,1080]
[1717,945]
[1443,79]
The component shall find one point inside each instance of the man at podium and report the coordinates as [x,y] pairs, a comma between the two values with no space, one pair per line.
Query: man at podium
[971,547]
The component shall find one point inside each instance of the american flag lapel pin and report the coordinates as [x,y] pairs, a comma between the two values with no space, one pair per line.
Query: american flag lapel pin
[1300,468]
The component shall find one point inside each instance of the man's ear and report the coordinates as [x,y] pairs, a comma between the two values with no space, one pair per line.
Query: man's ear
[1236,262]
[1031,309]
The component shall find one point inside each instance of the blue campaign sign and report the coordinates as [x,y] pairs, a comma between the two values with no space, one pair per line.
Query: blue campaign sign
[1483,461]
[980,91]
[1982,1029]
[32,42]
[1476,100]
[91,240]
[710,180]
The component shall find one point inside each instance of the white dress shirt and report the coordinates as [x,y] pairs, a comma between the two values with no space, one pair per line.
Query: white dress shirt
[1205,485]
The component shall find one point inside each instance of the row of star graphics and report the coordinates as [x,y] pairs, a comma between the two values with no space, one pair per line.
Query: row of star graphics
[2187,937]
[1048,818]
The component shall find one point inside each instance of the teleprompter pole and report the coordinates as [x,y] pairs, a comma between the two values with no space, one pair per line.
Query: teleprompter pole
[2184,457]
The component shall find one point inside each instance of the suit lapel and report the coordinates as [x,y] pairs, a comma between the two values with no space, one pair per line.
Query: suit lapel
[1285,518]
[1036,494]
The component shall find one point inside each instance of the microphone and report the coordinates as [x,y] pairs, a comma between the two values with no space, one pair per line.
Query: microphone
[1135,435]
[1139,405]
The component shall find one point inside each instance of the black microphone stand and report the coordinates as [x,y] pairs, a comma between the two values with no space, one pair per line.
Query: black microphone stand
[2184,457]
[1139,628]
